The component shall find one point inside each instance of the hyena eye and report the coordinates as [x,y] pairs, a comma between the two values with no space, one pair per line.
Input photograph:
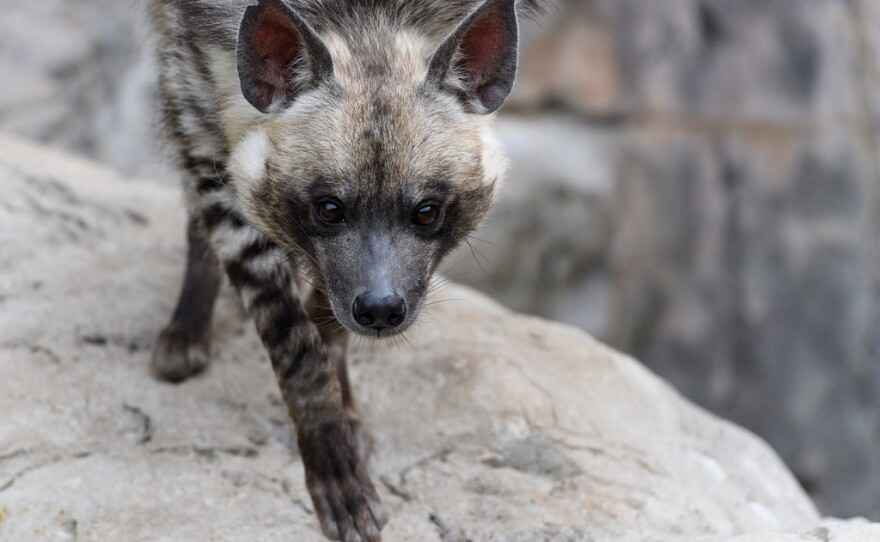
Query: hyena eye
[330,212]
[426,215]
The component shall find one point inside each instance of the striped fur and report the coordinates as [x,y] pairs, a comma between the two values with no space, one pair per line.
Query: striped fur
[380,133]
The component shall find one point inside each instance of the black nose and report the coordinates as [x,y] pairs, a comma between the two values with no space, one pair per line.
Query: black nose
[379,310]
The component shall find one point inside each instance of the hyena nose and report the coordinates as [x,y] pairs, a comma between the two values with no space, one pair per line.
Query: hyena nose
[379,310]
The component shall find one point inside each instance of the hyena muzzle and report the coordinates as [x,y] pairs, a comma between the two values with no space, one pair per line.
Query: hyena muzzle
[345,143]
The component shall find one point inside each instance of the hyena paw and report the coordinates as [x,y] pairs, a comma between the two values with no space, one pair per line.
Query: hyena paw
[343,495]
[181,351]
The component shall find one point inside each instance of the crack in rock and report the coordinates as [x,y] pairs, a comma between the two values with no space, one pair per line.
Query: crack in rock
[146,432]
[394,489]
[447,531]
[209,452]
[48,463]
[14,454]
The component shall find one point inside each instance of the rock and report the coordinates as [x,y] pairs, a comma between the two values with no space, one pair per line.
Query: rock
[745,266]
[570,59]
[853,531]
[489,426]
[746,281]
[83,81]
[733,249]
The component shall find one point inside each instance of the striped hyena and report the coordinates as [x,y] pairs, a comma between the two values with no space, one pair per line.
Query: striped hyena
[350,141]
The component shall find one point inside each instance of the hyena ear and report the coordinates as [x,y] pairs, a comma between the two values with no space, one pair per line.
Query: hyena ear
[478,61]
[278,55]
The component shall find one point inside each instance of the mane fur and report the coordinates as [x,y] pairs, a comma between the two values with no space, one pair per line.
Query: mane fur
[217,21]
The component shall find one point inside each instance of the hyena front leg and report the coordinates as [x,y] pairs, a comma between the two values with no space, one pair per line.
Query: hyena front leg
[335,338]
[183,346]
[343,495]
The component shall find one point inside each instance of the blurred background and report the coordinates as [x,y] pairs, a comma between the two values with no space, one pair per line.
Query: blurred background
[695,182]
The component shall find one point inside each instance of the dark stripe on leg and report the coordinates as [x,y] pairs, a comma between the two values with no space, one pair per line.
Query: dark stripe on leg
[297,357]
[209,184]
[259,247]
[280,326]
[242,277]
[219,213]
[267,297]
[214,215]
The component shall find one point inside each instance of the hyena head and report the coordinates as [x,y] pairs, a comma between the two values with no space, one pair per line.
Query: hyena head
[376,156]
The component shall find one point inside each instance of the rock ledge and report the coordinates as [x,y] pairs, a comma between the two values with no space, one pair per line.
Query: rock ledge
[489,426]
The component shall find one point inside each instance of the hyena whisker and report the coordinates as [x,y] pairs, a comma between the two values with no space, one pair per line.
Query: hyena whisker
[440,281]
[404,338]
[455,266]
[445,279]
[434,290]
[432,296]
[432,303]
[415,332]
[312,281]
[328,320]
[427,319]
[479,263]
[490,243]
[439,285]
[389,345]
[395,343]
[472,238]
[216,169]
[303,273]
[475,252]
[366,344]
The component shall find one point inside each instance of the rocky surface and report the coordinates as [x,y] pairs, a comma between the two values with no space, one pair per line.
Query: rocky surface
[489,426]
[694,182]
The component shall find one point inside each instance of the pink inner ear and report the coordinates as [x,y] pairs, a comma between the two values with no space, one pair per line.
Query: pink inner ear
[278,43]
[483,44]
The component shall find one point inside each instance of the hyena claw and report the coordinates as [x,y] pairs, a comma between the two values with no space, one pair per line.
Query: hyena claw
[344,498]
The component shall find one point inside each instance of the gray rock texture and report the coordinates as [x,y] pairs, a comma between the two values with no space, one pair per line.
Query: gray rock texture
[489,426]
